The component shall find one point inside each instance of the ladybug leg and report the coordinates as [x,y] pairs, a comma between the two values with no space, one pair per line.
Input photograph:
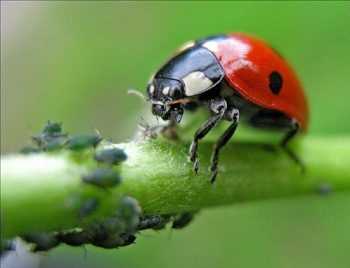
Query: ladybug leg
[218,107]
[284,143]
[233,116]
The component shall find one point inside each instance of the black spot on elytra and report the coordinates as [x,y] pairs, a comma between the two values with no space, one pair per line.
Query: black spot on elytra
[275,82]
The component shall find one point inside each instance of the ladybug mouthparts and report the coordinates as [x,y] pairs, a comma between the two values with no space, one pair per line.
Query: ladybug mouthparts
[167,112]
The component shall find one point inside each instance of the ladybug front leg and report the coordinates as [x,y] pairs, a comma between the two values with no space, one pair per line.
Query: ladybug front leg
[218,107]
[233,116]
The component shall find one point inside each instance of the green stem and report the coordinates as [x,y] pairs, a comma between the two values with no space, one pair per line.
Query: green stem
[43,192]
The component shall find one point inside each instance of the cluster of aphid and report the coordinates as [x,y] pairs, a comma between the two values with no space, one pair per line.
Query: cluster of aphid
[113,232]
[52,138]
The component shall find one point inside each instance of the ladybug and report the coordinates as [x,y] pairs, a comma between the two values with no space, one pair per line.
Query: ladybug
[237,77]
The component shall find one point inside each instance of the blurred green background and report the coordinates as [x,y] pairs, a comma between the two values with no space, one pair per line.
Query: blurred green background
[74,61]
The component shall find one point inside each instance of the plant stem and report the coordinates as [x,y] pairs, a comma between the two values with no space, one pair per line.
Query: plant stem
[44,191]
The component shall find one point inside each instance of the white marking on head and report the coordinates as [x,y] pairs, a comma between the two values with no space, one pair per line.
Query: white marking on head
[166,90]
[196,83]
[151,89]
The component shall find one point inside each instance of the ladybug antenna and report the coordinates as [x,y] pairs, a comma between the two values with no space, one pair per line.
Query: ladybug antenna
[138,94]
[143,124]
[98,133]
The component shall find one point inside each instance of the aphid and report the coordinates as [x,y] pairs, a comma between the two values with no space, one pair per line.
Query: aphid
[41,241]
[51,138]
[106,234]
[128,239]
[110,226]
[88,207]
[53,129]
[155,222]
[102,177]
[47,143]
[117,231]
[54,144]
[111,156]
[74,237]
[129,211]
[29,150]
[182,220]
[233,75]
[80,142]
[98,233]
[115,241]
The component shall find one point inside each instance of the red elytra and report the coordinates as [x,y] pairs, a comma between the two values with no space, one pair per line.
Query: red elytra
[266,91]
[247,62]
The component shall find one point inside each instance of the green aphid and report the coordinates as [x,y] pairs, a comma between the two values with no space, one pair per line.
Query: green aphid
[156,222]
[52,129]
[128,239]
[111,156]
[51,138]
[115,241]
[80,142]
[130,212]
[74,238]
[48,143]
[182,220]
[113,225]
[29,150]
[41,241]
[55,144]
[106,231]
[88,207]
[39,140]
[102,177]
[110,233]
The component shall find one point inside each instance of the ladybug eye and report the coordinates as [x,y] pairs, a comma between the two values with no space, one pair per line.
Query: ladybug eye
[151,89]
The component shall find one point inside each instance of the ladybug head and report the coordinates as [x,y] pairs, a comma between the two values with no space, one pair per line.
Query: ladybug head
[163,94]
